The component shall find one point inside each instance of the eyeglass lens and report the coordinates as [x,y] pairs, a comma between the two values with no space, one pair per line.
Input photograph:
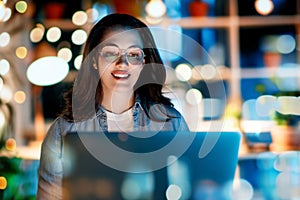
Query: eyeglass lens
[134,55]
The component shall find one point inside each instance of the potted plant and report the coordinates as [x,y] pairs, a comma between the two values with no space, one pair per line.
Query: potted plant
[286,132]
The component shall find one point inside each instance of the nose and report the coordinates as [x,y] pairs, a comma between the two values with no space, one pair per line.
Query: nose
[122,59]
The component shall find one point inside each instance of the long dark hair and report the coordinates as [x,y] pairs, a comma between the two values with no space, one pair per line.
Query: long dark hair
[86,94]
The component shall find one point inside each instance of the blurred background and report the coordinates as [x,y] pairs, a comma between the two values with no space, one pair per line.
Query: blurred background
[246,76]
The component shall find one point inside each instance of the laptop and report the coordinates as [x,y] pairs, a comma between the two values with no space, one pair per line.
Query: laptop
[149,165]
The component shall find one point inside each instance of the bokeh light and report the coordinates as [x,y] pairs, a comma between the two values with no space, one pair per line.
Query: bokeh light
[173,192]
[3,183]
[37,34]
[4,39]
[20,97]
[47,71]
[21,52]
[6,94]
[5,13]
[65,53]
[156,8]
[264,7]
[10,144]
[21,6]
[79,18]
[78,61]
[286,44]
[4,66]
[53,34]
[2,11]
[79,37]
[183,72]
[193,96]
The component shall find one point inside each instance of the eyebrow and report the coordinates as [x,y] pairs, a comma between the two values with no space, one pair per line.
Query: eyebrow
[112,44]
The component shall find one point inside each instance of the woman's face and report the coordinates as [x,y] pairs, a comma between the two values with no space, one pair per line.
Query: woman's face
[120,60]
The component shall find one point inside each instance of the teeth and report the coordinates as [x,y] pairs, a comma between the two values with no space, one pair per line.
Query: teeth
[121,75]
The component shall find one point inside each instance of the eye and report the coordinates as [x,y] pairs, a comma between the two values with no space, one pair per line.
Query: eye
[135,54]
[109,53]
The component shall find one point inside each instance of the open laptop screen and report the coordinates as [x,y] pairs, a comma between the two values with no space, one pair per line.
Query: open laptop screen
[148,165]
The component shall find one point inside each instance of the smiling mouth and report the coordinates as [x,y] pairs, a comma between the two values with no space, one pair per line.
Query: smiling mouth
[120,75]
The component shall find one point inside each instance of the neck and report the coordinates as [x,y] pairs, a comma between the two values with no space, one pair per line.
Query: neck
[117,102]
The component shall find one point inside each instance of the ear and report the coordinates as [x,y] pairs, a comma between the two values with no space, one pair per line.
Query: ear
[95,64]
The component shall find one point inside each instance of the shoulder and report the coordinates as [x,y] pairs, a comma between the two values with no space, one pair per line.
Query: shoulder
[167,110]
[61,124]
[58,128]
[163,112]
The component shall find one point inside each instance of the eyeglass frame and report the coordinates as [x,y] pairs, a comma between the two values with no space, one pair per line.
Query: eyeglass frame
[122,52]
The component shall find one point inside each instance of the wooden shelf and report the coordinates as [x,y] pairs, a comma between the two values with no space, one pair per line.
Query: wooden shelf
[279,72]
[269,21]
[198,22]
[227,21]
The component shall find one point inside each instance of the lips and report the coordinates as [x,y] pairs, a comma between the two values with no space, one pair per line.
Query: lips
[120,74]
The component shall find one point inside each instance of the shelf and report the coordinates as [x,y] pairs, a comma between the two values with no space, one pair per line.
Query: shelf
[198,22]
[270,72]
[269,21]
[248,73]
[226,22]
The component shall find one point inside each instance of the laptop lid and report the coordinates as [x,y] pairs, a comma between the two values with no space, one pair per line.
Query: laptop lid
[149,165]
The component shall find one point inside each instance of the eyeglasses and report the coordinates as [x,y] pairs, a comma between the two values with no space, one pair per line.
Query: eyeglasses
[133,55]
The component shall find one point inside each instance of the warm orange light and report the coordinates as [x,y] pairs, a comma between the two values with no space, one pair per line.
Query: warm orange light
[3,183]
[10,144]
[21,52]
[20,97]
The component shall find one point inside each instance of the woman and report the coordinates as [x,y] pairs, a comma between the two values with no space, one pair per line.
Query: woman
[118,88]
